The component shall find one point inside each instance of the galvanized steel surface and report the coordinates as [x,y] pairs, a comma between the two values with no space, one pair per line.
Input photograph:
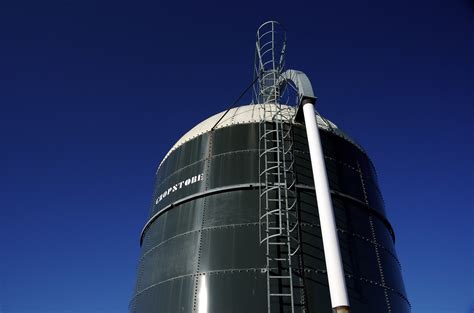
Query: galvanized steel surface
[203,254]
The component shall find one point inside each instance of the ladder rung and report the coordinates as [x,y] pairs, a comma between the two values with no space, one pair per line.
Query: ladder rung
[279,277]
[280,294]
[272,213]
[277,243]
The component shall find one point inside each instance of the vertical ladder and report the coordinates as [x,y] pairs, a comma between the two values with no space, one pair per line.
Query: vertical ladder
[279,227]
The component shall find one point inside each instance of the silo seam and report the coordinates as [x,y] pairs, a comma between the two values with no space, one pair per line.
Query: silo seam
[257,270]
[194,275]
[252,186]
[373,211]
[339,133]
[355,235]
[361,173]
[363,279]
[295,151]
[380,285]
[206,187]
[201,160]
[377,253]
[341,162]
[194,231]
[166,179]
[305,224]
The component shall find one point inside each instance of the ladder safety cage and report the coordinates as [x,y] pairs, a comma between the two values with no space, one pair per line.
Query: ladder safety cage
[278,212]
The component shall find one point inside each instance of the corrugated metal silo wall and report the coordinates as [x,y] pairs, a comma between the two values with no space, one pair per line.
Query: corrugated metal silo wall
[202,239]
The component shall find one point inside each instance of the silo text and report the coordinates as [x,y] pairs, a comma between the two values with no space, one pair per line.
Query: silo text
[178,186]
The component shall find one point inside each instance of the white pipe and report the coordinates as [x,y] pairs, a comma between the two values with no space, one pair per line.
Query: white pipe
[332,253]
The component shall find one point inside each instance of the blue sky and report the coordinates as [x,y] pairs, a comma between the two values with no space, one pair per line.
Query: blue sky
[94,93]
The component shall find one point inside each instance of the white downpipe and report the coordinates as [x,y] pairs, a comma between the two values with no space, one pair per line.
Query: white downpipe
[332,253]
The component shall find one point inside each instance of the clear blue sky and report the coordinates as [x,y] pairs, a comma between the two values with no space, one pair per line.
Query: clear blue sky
[94,93]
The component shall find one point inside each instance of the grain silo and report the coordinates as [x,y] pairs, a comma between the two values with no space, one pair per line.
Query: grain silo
[268,207]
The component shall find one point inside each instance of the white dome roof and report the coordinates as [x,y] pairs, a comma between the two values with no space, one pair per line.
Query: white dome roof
[248,114]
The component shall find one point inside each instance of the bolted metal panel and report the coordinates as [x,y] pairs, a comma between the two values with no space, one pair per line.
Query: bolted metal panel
[242,202]
[201,251]
[235,168]
[174,258]
[171,296]
[182,219]
[235,292]
[235,138]
[222,248]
